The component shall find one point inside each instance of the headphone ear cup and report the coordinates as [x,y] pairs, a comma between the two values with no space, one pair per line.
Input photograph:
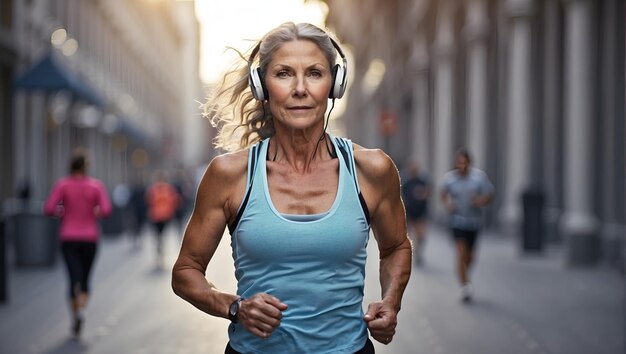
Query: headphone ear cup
[338,87]
[266,95]
[255,82]
[333,74]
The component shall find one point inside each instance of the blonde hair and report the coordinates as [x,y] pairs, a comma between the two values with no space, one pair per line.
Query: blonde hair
[240,119]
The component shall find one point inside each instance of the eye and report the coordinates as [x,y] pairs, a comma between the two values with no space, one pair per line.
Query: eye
[283,74]
[315,73]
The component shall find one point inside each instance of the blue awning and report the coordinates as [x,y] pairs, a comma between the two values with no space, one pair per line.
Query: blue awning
[49,74]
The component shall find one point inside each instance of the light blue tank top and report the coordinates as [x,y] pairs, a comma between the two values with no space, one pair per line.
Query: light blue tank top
[313,263]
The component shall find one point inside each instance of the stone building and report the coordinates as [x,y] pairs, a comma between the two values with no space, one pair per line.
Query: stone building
[118,77]
[535,90]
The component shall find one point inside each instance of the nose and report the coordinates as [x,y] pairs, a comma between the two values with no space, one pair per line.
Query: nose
[300,88]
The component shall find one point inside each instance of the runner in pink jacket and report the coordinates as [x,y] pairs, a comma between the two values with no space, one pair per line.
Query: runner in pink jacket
[78,200]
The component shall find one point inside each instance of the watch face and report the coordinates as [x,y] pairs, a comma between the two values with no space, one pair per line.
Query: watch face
[234,307]
[232,311]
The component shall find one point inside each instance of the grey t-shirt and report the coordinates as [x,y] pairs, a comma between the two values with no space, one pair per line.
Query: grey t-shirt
[461,189]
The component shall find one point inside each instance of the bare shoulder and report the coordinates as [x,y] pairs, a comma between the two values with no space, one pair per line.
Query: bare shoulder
[373,164]
[228,165]
[224,181]
[378,178]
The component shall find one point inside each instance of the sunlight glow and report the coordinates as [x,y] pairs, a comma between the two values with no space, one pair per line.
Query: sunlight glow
[240,23]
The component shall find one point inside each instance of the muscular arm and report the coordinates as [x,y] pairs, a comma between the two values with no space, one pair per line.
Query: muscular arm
[380,185]
[224,177]
[219,196]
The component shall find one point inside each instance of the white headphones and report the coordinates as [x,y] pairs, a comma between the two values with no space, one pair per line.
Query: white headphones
[339,75]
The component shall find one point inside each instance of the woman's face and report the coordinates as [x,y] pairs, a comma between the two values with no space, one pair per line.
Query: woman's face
[298,80]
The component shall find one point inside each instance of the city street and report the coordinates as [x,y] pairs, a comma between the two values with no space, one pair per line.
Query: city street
[523,304]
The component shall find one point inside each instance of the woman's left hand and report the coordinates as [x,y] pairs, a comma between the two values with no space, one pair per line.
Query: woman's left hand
[381,319]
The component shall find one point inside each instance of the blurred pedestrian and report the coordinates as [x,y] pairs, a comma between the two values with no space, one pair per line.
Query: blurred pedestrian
[415,194]
[139,207]
[465,191]
[162,200]
[299,204]
[185,189]
[78,200]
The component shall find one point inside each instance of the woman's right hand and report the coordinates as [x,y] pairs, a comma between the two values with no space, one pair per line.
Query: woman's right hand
[261,314]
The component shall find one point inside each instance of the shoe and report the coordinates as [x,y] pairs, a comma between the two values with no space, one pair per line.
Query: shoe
[77,326]
[466,293]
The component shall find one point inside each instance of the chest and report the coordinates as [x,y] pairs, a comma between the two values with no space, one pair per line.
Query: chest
[465,188]
[293,192]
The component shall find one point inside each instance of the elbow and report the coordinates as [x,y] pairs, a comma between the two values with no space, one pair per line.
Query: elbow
[176,283]
[174,288]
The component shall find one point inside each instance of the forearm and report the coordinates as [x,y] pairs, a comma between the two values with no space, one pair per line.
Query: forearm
[191,285]
[395,271]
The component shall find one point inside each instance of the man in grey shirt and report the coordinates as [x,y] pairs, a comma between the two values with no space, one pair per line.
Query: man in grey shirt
[465,191]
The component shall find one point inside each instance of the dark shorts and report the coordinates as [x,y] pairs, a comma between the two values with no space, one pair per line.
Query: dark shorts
[416,210]
[416,214]
[368,348]
[469,236]
[79,258]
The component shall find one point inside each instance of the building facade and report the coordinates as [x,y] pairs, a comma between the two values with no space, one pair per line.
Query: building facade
[118,77]
[534,89]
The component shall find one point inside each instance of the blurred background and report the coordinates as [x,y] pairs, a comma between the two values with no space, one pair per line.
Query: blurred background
[534,89]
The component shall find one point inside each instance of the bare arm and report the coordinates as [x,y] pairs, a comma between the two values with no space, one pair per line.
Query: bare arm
[219,196]
[202,236]
[380,185]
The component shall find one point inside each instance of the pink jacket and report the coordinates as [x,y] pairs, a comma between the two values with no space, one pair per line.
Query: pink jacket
[79,201]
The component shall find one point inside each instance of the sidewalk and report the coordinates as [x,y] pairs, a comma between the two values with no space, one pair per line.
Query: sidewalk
[523,305]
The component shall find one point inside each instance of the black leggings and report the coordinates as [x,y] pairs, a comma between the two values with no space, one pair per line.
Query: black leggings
[79,258]
[368,348]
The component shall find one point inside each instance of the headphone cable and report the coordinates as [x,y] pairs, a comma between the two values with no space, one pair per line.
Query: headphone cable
[323,136]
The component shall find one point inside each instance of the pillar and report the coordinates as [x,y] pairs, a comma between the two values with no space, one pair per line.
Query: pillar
[519,114]
[552,118]
[420,125]
[579,225]
[476,30]
[444,93]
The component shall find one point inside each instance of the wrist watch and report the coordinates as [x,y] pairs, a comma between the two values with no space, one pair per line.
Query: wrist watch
[234,309]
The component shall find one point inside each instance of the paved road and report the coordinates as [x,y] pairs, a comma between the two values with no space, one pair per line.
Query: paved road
[523,305]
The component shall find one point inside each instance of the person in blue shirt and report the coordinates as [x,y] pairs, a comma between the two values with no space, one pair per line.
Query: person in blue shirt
[299,204]
[465,191]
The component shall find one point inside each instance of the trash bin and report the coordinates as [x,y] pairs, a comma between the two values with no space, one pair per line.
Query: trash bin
[533,223]
[36,240]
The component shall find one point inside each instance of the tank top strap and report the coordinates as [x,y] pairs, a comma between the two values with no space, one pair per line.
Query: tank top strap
[254,154]
[346,151]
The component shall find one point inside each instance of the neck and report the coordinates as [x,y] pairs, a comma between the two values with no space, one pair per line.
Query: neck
[299,151]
